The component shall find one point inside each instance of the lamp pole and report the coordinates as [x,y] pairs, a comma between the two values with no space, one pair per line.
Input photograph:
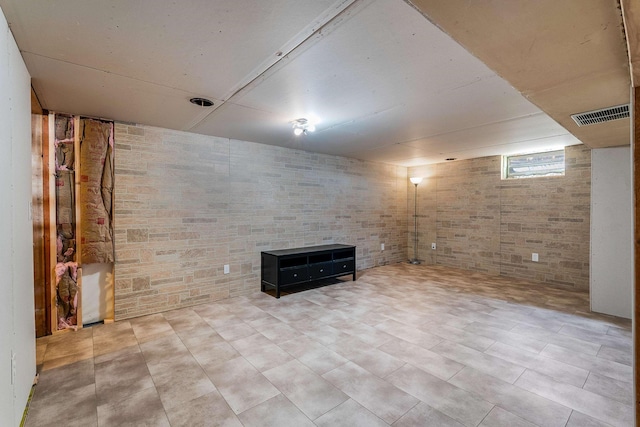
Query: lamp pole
[415,181]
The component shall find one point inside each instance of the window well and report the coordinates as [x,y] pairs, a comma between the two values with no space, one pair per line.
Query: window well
[548,163]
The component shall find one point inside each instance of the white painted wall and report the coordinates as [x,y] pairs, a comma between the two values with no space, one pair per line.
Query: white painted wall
[17,323]
[611,279]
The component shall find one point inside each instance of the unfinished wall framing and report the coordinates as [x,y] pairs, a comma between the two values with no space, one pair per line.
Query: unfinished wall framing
[80,226]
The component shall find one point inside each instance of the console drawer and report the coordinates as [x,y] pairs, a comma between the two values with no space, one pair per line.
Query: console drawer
[294,275]
[343,266]
[320,270]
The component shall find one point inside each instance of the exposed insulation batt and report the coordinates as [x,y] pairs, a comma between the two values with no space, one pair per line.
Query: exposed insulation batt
[96,187]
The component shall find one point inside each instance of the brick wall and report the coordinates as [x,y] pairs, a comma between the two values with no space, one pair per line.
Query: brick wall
[187,204]
[482,223]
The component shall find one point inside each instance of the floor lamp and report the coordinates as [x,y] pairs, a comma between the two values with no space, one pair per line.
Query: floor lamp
[415,181]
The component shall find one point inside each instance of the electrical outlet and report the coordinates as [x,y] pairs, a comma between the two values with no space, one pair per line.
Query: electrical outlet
[433,246]
[382,246]
[534,257]
[226,269]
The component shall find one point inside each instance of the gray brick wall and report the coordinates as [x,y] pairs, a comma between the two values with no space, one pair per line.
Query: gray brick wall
[187,204]
[482,223]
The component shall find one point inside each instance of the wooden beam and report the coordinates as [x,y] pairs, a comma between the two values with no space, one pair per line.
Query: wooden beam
[635,148]
[37,214]
[36,108]
[631,18]
[50,218]
[47,179]
[78,216]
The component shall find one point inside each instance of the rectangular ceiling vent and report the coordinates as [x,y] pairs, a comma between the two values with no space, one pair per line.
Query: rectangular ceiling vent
[602,115]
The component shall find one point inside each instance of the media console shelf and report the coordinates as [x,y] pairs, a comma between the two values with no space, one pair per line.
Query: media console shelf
[285,267]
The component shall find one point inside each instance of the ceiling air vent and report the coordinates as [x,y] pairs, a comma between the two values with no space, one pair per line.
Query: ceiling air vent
[602,115]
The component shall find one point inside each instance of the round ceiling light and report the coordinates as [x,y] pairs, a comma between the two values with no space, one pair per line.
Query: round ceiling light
[202,102]
[302,126]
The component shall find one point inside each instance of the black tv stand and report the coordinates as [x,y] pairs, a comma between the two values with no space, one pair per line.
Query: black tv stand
[287,267]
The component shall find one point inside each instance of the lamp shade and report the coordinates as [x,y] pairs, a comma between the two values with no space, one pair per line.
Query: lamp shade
[416,180]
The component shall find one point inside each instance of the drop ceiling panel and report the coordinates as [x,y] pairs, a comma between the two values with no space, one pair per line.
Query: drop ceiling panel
[554,52]
[535,44]
[73,89]
[406,155]
[376,74]
[249,124]
[529,128]
[387,54]
[197,45]
[350,79]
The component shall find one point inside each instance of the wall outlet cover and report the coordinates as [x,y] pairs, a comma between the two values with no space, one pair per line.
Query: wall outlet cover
[382,246]
[534,257]
[226,269]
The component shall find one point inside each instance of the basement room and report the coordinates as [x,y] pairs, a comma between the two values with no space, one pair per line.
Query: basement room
[320,213]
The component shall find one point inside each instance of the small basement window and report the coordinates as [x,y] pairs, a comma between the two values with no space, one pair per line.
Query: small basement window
[548,163]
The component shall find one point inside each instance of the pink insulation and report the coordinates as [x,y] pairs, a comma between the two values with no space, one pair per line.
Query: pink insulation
[67,294]
[66,267]
[96,188]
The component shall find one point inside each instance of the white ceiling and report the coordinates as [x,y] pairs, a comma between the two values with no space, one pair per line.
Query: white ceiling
[383,83]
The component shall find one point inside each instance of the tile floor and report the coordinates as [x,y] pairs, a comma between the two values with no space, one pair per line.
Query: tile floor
[404,345]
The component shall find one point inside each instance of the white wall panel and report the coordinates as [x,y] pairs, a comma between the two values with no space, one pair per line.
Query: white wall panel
[17,324]
[611,232]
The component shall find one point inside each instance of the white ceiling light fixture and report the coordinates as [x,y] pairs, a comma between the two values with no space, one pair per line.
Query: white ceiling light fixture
[302,126]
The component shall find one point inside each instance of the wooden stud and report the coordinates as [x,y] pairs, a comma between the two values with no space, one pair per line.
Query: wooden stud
[635,150]
[39,281]
[76,168]
[50,213]
[46,210]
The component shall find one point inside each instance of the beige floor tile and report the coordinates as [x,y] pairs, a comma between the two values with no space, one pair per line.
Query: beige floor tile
[121,377]
[67,407]
[241,384]
[600,338]
[277,411]
[312,354]
[491,365]
[424,415]
[452,401]
[275,330]
[510,338]
[266,356]
[498,417]
[311,393]
[524,404]
[412,335]
[151,327]
[579,419]
[594,405]
[349,414]
[565,341]
[380,397]
[376,361]
[604,367]
[621,391]
[616,355]
[208,410]
[433,363]
[560,371]
[458,335]
[140,409]
[377,351]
